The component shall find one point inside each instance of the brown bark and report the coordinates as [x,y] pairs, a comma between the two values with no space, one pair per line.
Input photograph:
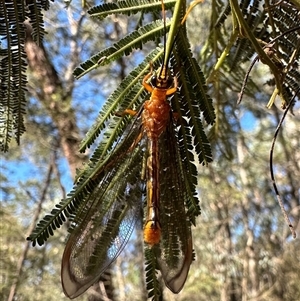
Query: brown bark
[48,89]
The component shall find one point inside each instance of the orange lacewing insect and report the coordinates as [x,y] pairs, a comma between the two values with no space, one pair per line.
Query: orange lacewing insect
[86,254]
[105,221]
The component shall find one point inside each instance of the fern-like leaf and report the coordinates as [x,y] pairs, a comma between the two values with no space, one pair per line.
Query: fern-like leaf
[128,7]
[194,99]
[134,40]
[35,14]
[13,64]
[13,78]
[152,284]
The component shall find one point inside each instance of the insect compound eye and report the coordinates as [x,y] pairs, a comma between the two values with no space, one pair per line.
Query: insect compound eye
[154,80]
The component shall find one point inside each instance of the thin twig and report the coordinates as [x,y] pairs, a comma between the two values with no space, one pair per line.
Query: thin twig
[23,256]
[279,199]
[246,80]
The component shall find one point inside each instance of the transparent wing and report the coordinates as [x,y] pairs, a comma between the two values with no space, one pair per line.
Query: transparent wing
[175,252]
[105,222]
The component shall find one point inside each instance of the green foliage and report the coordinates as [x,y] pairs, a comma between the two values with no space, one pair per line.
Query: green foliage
[123,47]
[193,104]
[128,7]
[153,284]
[13,64]
[230,49]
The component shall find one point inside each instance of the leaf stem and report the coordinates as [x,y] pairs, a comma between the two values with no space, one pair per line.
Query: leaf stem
[174,28]
[223,56]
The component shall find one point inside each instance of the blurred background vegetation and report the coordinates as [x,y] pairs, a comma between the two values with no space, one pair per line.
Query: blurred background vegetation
[244,249]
